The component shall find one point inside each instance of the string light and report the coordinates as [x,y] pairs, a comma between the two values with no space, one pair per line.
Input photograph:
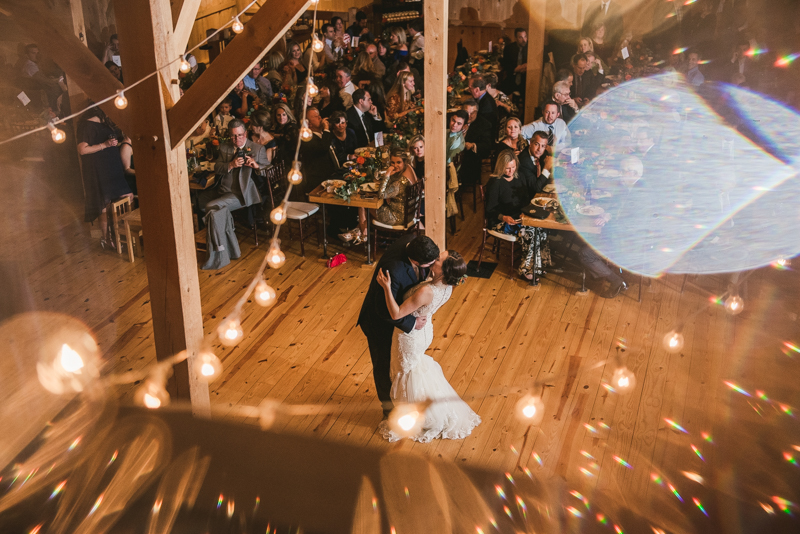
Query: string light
[278,215]
[316,44]
[734,305]
[58,134]
[152,394]
[207,366]
[185,65]
[311,88]
[121,102]
[295,176]
[230,332]
[305,132]
[237,25]
[275,256]
[623,380]
[265,294]
[530,409]
[673,341]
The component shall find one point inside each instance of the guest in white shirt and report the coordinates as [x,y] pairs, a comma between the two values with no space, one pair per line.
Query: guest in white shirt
[346,87]
[417,47]
[558,135]
[694,75]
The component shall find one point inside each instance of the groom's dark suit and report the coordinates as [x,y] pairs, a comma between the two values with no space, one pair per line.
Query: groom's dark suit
[375,320]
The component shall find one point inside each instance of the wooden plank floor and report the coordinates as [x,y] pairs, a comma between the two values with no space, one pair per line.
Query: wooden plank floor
[494,339]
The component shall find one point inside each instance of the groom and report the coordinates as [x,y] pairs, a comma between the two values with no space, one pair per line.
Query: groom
[407,261]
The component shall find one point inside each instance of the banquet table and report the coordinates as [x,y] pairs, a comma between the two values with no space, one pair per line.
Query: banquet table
[357,200]
[550,223]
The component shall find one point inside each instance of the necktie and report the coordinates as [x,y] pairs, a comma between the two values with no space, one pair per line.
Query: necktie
[605,8]
[366,128]
[550,136]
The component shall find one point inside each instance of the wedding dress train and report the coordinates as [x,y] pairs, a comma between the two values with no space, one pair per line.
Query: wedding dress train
[417,377]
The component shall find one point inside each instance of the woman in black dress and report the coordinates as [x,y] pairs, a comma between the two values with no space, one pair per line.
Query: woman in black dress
[284,130]
[343,139]
[103,174]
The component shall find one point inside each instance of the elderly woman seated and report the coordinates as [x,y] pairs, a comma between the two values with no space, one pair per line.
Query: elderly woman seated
[394,189]
[506,195]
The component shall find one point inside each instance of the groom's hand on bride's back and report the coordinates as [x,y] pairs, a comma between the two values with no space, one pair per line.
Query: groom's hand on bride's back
[420,324]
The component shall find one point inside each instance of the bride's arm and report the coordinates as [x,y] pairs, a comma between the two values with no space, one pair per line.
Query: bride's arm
[417,299]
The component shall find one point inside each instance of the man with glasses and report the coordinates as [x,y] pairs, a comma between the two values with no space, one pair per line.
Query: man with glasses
[235,169]
[561,95]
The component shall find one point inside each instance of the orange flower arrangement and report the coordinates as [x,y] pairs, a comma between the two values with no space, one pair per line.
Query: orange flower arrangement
[360,160]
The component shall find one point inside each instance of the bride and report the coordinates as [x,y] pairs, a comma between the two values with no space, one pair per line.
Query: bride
[416,376]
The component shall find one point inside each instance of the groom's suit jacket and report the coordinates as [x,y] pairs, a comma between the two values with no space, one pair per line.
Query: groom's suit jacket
[374,313]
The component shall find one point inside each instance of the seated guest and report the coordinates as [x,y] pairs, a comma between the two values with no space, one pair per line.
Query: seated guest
[693,75]
[359,28]
[200,135]
[329,99]
[343,141]
[558,135]
[342,38]
[487,107]
[378,95]
[583,82]
[417,147]
[346,87]
[223,116]
[238,162]
[377,65]
[257,84]
[294,59]
[600,45]
[114,69]
[398,41]
[315,154]
[52,87]
[393,189]
[364,65]
[505,107]
[364,119]
[515,62]
[597,66]
[284,130]
[512,138]
[112,48]
[568,105]
[400,99]
[273,63]
[384,54]
[332,48]
[564,75]
[241,100]
[417,47]
[260,123]
[455,135]
[478,143]
[506,195]
[585,45]
[532,164]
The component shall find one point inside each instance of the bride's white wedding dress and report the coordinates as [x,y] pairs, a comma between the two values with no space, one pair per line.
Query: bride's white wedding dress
[417,377]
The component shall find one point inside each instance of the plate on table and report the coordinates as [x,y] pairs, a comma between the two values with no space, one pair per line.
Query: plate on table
[555,188]
[349,164]
[369,187]
[332,185]
[543,202]
[591,211]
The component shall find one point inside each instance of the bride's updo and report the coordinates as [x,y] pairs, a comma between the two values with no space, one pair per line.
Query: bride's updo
[454,269]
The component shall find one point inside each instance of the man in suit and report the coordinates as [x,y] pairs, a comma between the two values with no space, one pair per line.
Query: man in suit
[407,261]
[315,153]
[607,12]
[552,125]
[532,170]
[235,169]
[515,63]
[561,95]
[363,117]
[478,142]
[487,107]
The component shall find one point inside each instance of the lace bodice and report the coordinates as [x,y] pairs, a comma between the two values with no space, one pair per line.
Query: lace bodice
[441,294]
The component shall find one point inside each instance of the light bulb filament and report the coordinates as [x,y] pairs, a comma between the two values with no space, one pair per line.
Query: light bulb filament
[70,360]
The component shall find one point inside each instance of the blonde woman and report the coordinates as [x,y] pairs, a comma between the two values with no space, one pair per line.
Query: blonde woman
[272,64]
[512,138]
[399,101]
[506,195]
[398,40]
[364,65]
[585,45]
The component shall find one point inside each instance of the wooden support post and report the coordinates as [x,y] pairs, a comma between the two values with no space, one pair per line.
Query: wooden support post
[77,97]
[146,28]
[435,119]
[536,24]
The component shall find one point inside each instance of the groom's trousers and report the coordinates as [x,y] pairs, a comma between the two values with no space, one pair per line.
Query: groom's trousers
[380,351]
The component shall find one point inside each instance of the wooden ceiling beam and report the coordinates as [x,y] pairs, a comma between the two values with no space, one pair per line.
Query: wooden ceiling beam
[183,22]
[57,40]
[243,52]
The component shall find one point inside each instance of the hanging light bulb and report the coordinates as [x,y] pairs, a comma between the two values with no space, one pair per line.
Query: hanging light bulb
[230,332]
[305,132]
[530,409]
[312,89]
[623,380]
[207,366]
[278,215]
[673,341]
[237,25]
[314,2]
[185,66]
[275,256]
[58,134]
[67,355]
[407,419]
[734,304]
[295,176]
[316,44]
[265,294]
[121,102]
[152,394]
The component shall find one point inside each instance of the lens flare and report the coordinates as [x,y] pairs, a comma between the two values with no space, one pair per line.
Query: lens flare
[604,426]
[522,508]
[699,505]
[57,489]
[602,519]
[618,529]
[679,51]
[707,437]
[693,476]
[767,508]
[527,472]
[789,458]
[586,472]
[697,452]
[785,61]
[507,510]
[792,347]
[783,504]
[537,458]
[656,478]
[675,425]
[514,450]
[587,455]
[622,462]
[500,492]
[220,500]
[674,491]
[590,428]
[574,511]
[74,444]
[96,505]
[509,477]
[737,389]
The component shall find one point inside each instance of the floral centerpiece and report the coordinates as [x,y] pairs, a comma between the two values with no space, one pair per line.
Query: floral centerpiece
[366,168]
[458,80]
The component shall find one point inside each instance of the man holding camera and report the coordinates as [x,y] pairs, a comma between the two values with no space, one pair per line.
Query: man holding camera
[235,169]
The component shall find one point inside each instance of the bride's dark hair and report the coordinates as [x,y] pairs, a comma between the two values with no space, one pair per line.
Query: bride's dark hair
[454,269]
